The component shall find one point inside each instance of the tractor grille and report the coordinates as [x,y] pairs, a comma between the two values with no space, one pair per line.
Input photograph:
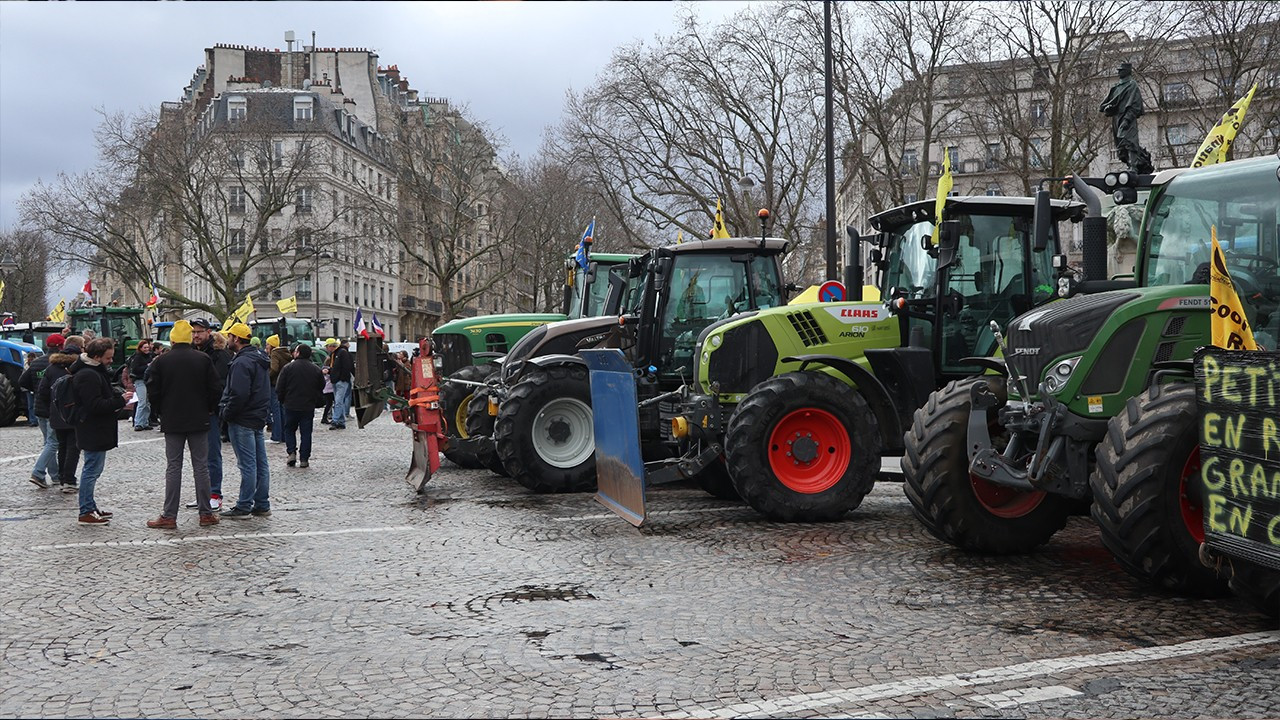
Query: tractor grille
[746,357]
[807,328]
[1058,329]
[1174,326]
[453,350]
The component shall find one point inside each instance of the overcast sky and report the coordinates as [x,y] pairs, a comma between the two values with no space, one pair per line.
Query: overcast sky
[509,62]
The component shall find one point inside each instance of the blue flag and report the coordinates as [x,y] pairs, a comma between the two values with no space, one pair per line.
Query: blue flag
[583,254]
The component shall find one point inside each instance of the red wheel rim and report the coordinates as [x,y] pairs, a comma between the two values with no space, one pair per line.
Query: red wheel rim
[1003,501]
[1190,505]
[809,450]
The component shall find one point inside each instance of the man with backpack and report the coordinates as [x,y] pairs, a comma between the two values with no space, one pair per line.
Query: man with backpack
[244,408]
[300,389]
[46,463]
[96,404]
[60,422]
[341,369]
[186,389]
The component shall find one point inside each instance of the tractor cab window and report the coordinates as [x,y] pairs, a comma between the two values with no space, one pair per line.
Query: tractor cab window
[703,289]
[1244,207]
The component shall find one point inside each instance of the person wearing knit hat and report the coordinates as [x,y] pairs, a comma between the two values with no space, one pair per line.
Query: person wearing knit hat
[255,341]
[185,387]
[46,461]
[279,357]
[63,429]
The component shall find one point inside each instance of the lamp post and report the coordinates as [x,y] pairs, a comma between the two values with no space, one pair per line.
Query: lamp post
[315,291]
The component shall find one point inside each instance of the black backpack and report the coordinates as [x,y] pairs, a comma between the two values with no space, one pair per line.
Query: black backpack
[62,400]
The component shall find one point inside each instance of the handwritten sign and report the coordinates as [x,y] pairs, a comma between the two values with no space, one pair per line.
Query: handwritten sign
[1238,395]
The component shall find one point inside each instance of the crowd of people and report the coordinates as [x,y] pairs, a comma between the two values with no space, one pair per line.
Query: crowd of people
[202,389]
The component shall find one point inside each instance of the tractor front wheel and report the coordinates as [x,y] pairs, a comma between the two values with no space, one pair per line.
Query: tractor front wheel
[1258,585]
[544,432]
[1145,496]
[8,401]
[453,408]
[803,447]
[480,429]
[957,507]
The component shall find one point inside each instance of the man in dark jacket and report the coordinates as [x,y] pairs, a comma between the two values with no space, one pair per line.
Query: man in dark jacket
[30,379]
[300,389]
[279,358]
[185,388]
[244,408]
[138,364]
[202,339]
[96,406]
[341,368]
[63,427]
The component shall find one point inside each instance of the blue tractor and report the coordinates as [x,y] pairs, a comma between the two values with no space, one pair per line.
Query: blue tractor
[13,360]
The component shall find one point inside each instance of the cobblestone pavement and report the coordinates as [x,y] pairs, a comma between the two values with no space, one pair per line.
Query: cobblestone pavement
[358,598]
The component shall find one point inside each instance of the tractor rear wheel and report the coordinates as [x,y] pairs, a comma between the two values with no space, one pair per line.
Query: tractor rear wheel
[480,429]
[453,408]
[545,433]
[8,401]
[1145,497]
[803,447]
[957,507]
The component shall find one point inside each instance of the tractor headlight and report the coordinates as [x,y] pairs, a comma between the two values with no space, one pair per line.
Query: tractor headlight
[437,361]
[716,340]
[706,357]
[1058,376]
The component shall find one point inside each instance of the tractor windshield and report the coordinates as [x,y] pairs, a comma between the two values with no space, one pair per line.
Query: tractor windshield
[1243,204]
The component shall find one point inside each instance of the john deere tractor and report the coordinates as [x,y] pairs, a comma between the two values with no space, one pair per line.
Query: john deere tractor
[544,433]
[466,350]
[1093,400]
[800,402]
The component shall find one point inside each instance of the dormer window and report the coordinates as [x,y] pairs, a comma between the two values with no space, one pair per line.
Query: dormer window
[237,108]
[303,108]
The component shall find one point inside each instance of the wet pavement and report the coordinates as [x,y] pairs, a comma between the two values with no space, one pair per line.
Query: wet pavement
[359,598]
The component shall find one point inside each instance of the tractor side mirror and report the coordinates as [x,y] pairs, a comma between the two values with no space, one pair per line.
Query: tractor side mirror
[1041,221]
[948,242]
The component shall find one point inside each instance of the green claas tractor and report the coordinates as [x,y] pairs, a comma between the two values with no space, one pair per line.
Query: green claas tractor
[543,432]
[466,349]
[1094,402]
[800,402]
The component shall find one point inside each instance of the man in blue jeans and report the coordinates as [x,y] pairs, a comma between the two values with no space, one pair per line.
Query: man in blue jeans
[244,408]
[47,461]
[300,389]
[202,336]
[341,369]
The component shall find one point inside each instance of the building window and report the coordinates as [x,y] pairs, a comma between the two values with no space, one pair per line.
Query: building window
[237,108]
[1177,134]
[236,246]
[1176,92]
[993,156]
[277,153]
[1039,113]
[911,162]
[304,239]
[303,203]
[236,201]
[954,153]
[335,288]
[1035,153]
[346,291]
[275,239]
[237,158]
[303,288]
[302,108]
[993,190]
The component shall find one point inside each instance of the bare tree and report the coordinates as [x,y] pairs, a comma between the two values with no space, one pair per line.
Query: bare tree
[214,195]
[26,288]
[669,127]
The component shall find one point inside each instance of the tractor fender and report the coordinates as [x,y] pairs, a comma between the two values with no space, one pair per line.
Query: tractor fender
[991,364]
[870,387]
[546,361]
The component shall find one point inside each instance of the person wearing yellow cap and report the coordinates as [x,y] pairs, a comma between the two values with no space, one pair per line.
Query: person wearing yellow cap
[186,388]
[279,357]
[244,408]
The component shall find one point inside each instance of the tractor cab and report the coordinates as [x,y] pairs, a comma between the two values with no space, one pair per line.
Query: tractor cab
[122,324]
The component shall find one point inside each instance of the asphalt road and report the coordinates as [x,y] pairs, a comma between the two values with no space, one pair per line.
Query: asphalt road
[359,598]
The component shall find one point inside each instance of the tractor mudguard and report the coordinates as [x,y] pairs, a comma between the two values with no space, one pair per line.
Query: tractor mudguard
[620,479]
[545,361]
[870,387]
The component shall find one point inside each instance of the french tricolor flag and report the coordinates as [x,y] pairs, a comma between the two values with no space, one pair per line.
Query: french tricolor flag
[361,330]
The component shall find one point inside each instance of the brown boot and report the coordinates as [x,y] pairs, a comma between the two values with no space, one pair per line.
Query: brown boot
[163,523]
[210,519]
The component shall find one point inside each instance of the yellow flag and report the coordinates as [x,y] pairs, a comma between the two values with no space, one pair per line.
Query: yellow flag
[242,313]
[944,188]
[1215,147]
[1,290]
[288,305]
[718,231]
[1230,327]
[679,236]
[59,311]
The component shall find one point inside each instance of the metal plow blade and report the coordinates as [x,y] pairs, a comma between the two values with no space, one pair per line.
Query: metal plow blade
[619,466]
[421,466]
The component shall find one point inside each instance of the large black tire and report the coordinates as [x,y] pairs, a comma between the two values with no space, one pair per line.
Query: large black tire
[956,508]
[836,450]
[480,428]
[453,407]
[1259,585]
[544,451]
[8,401]
[1139,493]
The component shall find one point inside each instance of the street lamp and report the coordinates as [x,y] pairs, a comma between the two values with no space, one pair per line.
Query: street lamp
[7,264]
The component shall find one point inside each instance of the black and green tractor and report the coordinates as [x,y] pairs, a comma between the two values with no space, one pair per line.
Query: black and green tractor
[467,349]
[543,429]
[791,408]
[1093,402]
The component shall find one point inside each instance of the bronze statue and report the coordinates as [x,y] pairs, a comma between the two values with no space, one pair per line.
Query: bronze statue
[1124,106]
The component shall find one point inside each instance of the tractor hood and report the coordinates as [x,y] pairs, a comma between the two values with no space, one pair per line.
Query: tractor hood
[1059,329]
[557,338]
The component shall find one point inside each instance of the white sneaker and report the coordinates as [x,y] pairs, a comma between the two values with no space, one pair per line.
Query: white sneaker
[215,503]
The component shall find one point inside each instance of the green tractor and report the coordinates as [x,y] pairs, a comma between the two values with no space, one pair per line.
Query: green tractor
[543,432]
[467,349]
[800,402]
[122,324]
[1093,400]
